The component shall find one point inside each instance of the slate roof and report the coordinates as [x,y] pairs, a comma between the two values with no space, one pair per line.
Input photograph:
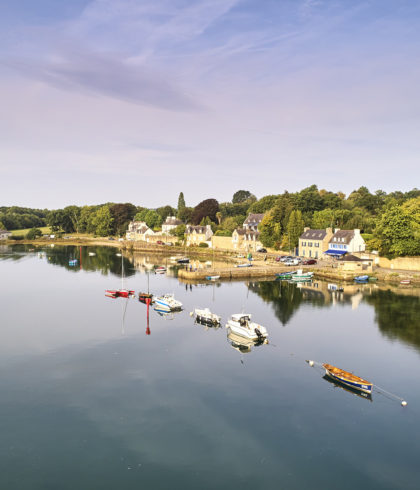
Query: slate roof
[197,229]
[353,258]
[342,236]
[254,219]
[244,231]
[314,234]
[171,220]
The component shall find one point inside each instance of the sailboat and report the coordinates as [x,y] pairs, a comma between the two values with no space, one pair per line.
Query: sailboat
[120,293]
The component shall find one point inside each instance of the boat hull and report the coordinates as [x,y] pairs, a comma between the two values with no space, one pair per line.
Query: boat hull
[348,379]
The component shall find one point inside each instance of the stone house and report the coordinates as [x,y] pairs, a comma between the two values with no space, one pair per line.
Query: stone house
[198,234]
[345,241]
[170,223]
[246,240]
[4,234]
[138,230]
[313,243]
[351,263]
[252,222]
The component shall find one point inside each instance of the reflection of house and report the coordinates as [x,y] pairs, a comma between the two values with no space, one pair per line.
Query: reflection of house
[247,240]
[313,243]
[171,223]
[4,234]
[344,241]
[138,230]
[252,222]
[198,234]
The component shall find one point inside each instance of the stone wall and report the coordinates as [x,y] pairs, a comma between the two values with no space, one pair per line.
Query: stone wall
[222,242]
[401,263]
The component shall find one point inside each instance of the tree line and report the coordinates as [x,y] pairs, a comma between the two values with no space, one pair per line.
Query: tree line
[389,222]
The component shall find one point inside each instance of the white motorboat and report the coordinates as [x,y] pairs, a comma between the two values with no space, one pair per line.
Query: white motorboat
[92,254]
[167,302]
[241,324]
[302,276]
[205,316]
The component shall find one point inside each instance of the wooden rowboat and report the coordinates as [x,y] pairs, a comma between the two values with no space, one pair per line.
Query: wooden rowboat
[348,379]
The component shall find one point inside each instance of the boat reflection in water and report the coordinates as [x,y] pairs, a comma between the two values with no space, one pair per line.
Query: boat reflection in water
[207,324]
[166,314]
[242,344]
[337,384]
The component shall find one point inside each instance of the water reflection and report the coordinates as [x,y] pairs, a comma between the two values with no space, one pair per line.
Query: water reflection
[242,344]
[336,384]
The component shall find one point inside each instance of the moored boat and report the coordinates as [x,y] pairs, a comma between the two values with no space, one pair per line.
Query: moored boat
[167,302]
[241,324]
[205,316]
[160,270]
[302,276]
[405,281]
[364,278]
[184,260]
[247,264]
[119,293]
[146,298]
[212,278]
[348,379]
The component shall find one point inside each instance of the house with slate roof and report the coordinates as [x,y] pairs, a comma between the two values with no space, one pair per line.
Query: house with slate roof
[345,241]
[170,223]
[198,234]
[313,243]
[253,220]
[246,240]
[138,230]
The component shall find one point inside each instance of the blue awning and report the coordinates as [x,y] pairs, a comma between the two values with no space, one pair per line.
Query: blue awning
[335,252]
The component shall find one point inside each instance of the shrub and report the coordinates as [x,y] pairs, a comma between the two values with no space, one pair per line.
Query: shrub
[33,233]
[16,237]
[203,245]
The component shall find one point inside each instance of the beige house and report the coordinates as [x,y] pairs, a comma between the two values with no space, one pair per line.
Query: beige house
[351,263]
[4,234]
[253,221]
[246,240]
[313,243]
[198,234]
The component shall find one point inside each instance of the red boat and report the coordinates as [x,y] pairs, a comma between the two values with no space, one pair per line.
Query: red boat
[119,293]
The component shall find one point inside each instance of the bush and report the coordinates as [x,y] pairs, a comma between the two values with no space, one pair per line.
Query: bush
[33,233]
[16,237]
[223,233]
[203,245]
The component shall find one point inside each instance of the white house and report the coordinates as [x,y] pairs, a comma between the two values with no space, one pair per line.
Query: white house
[345,241]
[253,220]
[4,234]
[171,223]
[138,230]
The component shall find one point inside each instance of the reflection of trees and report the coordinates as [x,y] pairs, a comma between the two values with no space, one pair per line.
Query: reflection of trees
[285,297]
[397,315]
[104,260]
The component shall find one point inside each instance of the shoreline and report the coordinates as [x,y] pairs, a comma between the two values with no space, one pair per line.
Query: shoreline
[260,268]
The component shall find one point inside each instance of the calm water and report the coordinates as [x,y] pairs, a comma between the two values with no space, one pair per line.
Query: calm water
[88,400]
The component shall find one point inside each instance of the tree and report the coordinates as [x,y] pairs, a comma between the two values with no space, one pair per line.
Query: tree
[268,230]
[240,196]
[398,229]
[208,207]
[179,232]
[181,204]
[295,227]
[33,233]
[166,211]
[121,214]
[185,214]
[2,227]
[323,219]
[264,204]
[102,221]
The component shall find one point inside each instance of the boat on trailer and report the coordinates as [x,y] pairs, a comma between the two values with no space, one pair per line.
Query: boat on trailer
[241,324]
[348,379]
[205,316]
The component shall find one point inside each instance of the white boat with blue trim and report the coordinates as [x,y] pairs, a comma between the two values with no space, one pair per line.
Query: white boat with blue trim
[348,379]
[167,302]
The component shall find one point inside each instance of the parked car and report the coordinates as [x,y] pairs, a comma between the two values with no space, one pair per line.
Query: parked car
[159,242]
[292,261]
[285,258]
[309,262]
[169,244]
[262,250]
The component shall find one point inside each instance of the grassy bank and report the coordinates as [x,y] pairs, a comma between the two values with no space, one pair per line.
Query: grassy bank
[46,230]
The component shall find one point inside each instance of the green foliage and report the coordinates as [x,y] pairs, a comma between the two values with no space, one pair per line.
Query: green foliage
[264,204]
[18,218]
[241,196]
[179,232]
[295,227]
[206,208]
[232,223]
[2,227]
[166,211]
[152,218]
[102,221]
[269,230]
[323,219]
[181,204]
[185,214]
[398,230]
[223,233]
[203,245]
[33,233]
[121,214]
[16,237]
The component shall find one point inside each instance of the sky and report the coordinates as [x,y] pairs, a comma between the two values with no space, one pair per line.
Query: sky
[138,100]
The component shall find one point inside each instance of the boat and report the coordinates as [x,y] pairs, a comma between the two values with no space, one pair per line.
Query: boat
[244,265]
[212,278]
[372,279]
[167,302]
[405,281]
[337,384]
[73,262]
[241,324]
[160,270]
[146,298]
[92,254]
[285,275]
[183,260]
[302,276]
[361,278]
[205,317]
[348,379]
[123,292]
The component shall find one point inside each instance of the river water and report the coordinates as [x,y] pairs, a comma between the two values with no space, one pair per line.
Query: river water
[94,396]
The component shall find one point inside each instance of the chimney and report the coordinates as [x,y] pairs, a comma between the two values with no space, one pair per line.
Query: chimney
[306,228]
[328,230]
[356,231]
[336,229]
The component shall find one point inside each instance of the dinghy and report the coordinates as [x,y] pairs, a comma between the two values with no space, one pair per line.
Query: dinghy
[348,379]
